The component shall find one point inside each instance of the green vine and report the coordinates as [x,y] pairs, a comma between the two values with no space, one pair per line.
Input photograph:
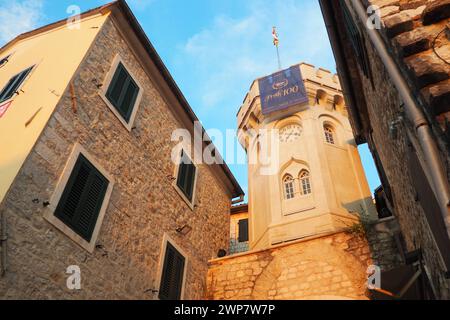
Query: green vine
[359,229]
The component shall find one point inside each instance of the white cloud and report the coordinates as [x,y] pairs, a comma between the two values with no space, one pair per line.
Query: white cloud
[19,16]
[230,53]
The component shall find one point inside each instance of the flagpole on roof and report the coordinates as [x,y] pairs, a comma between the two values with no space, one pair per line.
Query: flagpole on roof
[279,61]
[276,42]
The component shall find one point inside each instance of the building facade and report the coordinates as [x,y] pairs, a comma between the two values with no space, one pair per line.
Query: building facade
[313,227]
[88,183]
[318,183]
[393,61]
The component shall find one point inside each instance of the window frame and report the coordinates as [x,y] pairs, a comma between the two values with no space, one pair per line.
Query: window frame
[357,42]
[167,239]
[49,214]
[301,180]
[105,88]
[239,237]
[5,59]
[292,182]
[190,203]
[22,83]
[328,131]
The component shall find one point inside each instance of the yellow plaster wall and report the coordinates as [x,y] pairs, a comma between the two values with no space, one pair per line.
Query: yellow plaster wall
[57,54]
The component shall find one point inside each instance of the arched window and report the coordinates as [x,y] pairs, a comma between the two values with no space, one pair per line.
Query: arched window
[329,134]
[305,183]
[321,97]
[288,183]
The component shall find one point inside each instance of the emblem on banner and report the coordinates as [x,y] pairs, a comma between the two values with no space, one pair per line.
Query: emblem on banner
[282,90]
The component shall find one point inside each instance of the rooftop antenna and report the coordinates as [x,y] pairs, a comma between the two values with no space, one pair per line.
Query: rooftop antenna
[276,42]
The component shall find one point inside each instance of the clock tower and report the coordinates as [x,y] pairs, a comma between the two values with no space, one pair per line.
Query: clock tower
[305,174]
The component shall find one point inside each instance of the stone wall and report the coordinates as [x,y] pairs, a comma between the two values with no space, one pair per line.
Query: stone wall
[417,35]
[403,31]
[384,107]
[405,28]
[143,206]
[327,267]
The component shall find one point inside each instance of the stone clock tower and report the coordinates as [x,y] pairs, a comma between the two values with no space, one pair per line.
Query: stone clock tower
[312,181]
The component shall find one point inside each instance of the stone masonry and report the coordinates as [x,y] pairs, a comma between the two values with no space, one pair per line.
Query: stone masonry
[143,206]
[413,31]
[325,267]
[417,33]
[427,73]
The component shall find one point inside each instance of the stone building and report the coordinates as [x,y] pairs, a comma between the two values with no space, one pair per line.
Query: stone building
[239,237]
[313,226]
[87,181]
[393,60]
[318,182]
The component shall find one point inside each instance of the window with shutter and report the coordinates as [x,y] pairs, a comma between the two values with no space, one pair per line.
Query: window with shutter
[82,198]
[123,92]
[243,230]
[13,85]
[357,42]
[4,60]
[186,176]
[172,274]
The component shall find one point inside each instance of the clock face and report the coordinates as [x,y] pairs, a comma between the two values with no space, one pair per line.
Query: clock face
[290,133]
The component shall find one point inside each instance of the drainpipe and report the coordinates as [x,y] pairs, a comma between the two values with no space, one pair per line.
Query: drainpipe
[416,116]
[3,238]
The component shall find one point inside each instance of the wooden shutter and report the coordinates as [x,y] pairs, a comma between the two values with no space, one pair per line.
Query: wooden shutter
[186,176]
[190,179]
[123,92]
[430,206]
[4,60]
[172,274]
[82,198]
[13,85]
[243,230]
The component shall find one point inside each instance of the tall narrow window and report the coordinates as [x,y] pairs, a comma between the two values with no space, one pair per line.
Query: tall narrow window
[186,176]
[329,134]
[82,198]
[123,92]
[243,230]
[305,183]
[172,274]
[288,183]
[357,41]
[14,84]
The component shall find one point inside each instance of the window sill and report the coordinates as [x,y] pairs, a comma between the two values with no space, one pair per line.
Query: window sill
[299,211]
[127,125]
[185,199]
[49,213]
[299,197]
[67,231]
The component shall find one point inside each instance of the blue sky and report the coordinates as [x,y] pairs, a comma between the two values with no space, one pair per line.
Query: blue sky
[213,48]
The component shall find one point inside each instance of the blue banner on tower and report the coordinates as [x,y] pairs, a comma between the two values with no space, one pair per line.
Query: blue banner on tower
[282,90]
